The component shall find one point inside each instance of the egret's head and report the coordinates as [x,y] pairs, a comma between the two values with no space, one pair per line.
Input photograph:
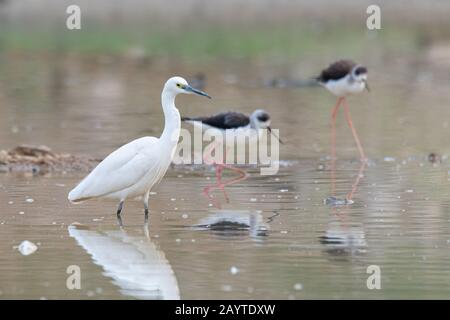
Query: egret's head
[359,74]
[177,85]
[260,119]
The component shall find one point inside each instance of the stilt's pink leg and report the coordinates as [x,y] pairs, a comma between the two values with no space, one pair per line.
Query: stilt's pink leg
[237,170]
[355,135]
[207,192]
[333,146]
[219,184]
[235,180]
[358,178]
[219,169]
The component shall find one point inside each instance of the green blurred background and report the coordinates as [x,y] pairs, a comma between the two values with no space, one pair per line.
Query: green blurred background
[199,29]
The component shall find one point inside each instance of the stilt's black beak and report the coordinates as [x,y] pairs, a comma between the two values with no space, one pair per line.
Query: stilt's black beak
[270,130]
[366,85]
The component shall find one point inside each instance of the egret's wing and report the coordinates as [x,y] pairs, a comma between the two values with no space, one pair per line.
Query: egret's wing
[120,170]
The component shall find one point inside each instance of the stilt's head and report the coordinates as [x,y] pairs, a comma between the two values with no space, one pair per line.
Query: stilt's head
[359,74]
[177,85]
[260,119]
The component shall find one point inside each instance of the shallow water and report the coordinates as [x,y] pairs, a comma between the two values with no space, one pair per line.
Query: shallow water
[276,238]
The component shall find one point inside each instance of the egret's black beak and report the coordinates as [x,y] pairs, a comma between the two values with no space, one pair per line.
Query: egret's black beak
[366,85]
[196,91]
[270,130]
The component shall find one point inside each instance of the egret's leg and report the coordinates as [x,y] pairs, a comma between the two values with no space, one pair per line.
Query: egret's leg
[146,231]
[355,135]
[119,210]
[146,196]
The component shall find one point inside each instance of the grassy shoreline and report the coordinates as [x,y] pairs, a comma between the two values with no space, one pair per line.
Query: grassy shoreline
[286,42]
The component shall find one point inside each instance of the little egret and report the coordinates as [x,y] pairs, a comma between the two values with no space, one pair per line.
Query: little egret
[135,168]
[342,78]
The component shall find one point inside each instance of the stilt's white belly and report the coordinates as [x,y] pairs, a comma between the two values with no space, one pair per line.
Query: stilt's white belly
[344,86]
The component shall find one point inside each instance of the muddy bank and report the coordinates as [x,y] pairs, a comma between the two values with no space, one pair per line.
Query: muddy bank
[41,159]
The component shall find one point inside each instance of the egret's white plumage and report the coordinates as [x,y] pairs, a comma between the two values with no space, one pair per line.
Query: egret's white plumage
[133,169]
[123,173]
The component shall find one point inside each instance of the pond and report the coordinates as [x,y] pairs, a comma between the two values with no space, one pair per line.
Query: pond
[276,237]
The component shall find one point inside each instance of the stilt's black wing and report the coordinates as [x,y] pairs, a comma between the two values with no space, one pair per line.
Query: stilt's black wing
[336,70]
[225,120]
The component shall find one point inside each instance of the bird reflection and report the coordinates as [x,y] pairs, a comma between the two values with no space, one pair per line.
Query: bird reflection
[232,223]
[341,239]
[434,158]
[344,241]
[134,262]
[335,201]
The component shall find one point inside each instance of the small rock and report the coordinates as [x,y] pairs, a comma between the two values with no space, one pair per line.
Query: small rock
[389,159]
[227,288]
[333,201]
[27,247]
[298,286]
[234,270]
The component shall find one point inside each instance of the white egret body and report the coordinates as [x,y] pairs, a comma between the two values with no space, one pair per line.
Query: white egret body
[135,168]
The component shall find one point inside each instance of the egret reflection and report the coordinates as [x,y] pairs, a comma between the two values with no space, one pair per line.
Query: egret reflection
[136,265]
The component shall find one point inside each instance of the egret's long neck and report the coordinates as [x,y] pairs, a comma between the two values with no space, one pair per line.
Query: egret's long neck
[172,125]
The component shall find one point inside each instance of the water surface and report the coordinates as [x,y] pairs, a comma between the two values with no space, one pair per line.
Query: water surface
[276,238]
